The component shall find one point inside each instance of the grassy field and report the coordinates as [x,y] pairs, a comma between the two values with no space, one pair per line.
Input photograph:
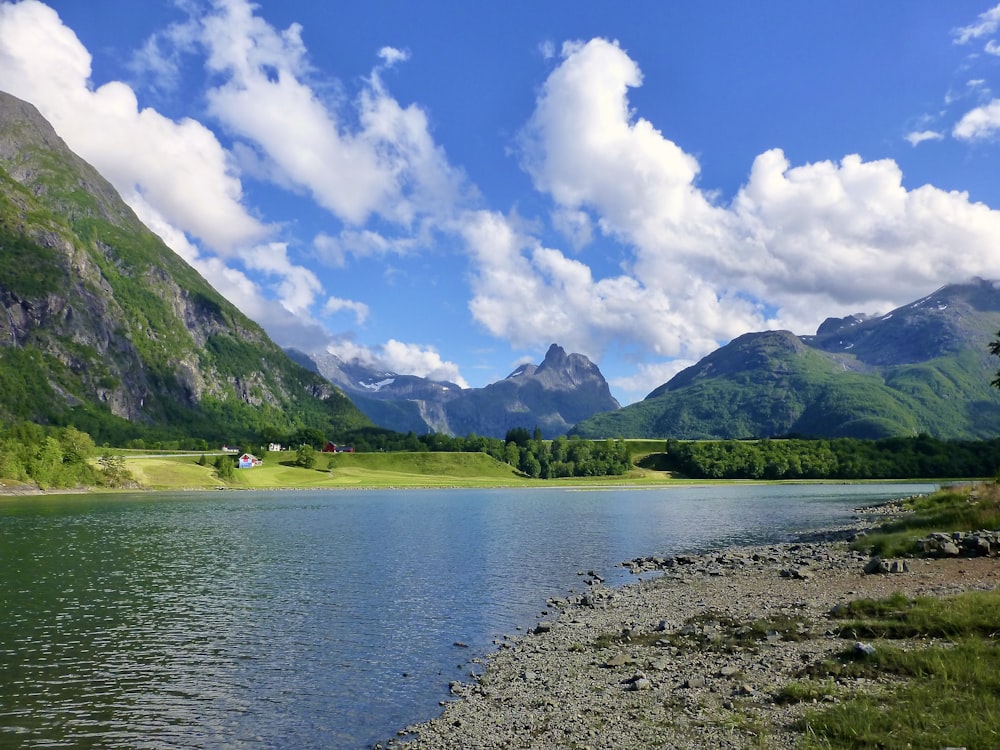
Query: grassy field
[354,470]
[932,678]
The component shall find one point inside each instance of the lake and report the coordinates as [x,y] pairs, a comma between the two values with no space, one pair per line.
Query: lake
[317,619]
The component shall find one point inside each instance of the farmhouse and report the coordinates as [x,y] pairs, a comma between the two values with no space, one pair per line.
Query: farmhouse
[334,448]
[248,461]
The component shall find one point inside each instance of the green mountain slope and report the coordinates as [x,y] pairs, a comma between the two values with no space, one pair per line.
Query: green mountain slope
[923,368]
[104,327]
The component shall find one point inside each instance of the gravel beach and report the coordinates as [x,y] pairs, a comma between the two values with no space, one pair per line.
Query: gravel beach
[692,658]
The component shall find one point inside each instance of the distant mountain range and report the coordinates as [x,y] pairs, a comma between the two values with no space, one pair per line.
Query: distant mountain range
[102,326]
[552,396]
[922,368]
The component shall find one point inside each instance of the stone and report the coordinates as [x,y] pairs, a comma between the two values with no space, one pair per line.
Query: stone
[618,660]
[640,683]
[864,648]
[949,549]
[876,566]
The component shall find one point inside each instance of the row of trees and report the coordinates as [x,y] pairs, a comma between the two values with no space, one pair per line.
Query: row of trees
[842,458]
[524,450]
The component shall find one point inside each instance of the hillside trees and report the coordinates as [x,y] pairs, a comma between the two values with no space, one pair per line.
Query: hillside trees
[50,457]
[842,458]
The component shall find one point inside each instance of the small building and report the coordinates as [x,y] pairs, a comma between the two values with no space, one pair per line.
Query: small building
[248,461]
[274,447]
[334,448]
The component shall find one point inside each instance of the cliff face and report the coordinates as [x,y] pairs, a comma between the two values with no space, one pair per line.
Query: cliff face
[104,326]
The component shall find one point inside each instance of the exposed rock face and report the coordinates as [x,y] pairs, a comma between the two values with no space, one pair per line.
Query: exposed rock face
[552,396]
[115,326]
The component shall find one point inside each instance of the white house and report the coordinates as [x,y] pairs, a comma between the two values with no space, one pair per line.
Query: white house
[248,461]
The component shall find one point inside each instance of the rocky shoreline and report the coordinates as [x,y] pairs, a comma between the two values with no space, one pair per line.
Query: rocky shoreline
[696,657]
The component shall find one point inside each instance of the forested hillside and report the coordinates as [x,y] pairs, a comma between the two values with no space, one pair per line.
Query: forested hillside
[924,368]
[105,328]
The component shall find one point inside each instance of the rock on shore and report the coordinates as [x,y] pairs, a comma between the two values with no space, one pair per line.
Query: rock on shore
[691,659]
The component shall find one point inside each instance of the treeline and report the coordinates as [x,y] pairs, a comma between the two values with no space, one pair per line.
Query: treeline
[57,457]
[841,458]
[525,451]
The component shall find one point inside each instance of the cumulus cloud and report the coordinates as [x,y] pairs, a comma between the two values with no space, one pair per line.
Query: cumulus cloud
[980,123]
[829,236]
[179,166]
[385,165]
[390,56]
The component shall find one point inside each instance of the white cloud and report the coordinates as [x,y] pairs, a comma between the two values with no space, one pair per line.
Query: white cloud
[980,123]
[919,136]
[992,48]
[794,244]
[179,167]
[847,236]
[336,304]
[297,286]
[390,56]
[648,376]
[396,356]
[575,225]
[986,23]
[387,166]
[420,360]
[360,244]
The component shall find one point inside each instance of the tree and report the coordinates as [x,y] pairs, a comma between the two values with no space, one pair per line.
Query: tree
[113,471]
[224,468]
[305,457]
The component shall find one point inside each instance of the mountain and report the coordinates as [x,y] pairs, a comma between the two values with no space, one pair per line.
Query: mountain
[552,396]
[104,327]
[923,368]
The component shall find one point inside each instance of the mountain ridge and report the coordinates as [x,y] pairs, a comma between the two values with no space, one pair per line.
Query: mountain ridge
[553,395]
[104,327]
[924,367]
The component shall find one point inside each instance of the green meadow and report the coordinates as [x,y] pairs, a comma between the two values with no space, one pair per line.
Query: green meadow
[353,470]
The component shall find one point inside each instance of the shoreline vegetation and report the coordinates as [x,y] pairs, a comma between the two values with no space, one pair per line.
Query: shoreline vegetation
[152,471]
[811,644]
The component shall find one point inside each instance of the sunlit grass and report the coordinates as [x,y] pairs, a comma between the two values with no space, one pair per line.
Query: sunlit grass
[929,694]
[957,509]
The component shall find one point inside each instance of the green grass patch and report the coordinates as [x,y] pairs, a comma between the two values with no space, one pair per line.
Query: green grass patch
[964,509]
[945,694]
[974,613]
[341,470]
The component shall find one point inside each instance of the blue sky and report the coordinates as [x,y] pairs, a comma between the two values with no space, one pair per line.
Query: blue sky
[446,188]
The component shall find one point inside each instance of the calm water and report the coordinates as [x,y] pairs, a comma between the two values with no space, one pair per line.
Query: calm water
[315,619]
